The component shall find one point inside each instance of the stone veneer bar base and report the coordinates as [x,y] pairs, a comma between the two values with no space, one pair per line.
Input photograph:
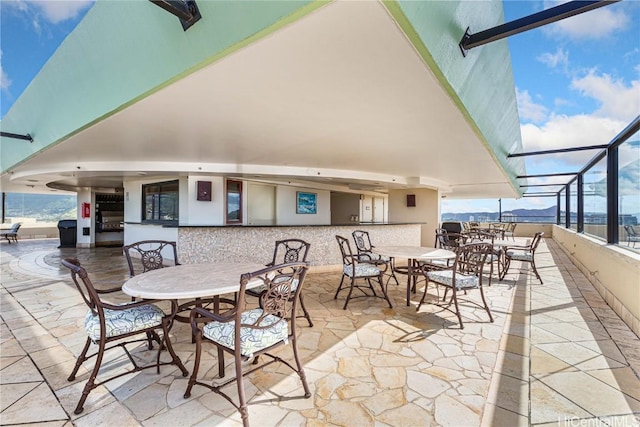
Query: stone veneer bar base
[255,244]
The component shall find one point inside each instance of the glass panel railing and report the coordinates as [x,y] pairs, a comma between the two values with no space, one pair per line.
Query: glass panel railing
[629,192]
[563,213]
[595,200]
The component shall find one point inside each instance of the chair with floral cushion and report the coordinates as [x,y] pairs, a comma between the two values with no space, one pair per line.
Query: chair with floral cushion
[286,251]
[354,269]
[525,254]
[247,333]
[365,253]
[466,274]
[109,326]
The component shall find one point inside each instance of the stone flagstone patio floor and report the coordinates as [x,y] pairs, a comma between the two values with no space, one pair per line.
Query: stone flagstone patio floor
[555,355]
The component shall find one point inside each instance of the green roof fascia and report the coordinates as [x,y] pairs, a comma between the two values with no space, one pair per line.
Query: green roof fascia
[124,51]
[480,84]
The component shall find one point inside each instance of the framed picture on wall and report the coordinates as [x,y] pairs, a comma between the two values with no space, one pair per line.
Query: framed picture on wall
[306,203]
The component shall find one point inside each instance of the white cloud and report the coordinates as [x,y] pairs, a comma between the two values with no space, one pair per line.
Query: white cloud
[618,101]
[56,11]
[528,109]
[48,11]
[561,102]
[560,59]
[562,131]
[594,24]
[5,82]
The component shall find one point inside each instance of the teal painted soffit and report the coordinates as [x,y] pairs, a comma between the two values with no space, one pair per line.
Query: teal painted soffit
[124,51]
[480,84]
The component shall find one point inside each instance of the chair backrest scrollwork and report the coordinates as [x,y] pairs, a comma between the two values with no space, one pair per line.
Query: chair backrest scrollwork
[290,250]
[148,255]
[283,285]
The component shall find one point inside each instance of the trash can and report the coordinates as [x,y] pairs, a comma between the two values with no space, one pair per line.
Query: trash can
[68,229]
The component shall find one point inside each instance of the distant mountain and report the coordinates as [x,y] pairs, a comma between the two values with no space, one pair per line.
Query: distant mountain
[519,215]
[43,207]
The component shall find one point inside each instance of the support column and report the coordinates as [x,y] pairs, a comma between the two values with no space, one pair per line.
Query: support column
[85,195]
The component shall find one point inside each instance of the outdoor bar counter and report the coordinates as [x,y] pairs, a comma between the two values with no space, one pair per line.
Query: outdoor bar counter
[255,243]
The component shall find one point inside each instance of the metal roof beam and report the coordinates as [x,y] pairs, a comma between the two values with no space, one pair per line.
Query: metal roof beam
[559,150]
[547,174]
[26,137]
[186,10]
[529,22]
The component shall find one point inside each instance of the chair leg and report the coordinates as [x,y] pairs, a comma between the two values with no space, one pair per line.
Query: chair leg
[535,270]
[220,363]
[392,275]
[505,269]
[486,307]
[301,373]
[384,291]
[242,404]
[424,295]
[304,310]
[444,297]
[339,288]
[353,280]
[166,341]
[80,360]
[196,365]
[90,385]
[454,298]
[371,285]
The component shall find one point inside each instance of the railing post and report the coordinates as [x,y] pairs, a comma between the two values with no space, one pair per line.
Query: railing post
[580,200]
[567,203]
[612,195]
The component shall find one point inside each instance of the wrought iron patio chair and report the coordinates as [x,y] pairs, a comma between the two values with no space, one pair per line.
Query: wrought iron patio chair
[632,235]
[365,253]
[497,229]
[354,269]
[525,254]
[251,333]
[286,251]
[466,274]
[510,231]
[448,241]
[109,325]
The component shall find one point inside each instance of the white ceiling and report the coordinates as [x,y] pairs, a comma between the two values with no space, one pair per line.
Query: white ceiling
[351,105]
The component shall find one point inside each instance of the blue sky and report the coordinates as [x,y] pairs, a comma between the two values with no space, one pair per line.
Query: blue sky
[577,80]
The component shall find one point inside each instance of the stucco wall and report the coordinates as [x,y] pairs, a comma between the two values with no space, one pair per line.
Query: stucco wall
[614,271]
[426,211]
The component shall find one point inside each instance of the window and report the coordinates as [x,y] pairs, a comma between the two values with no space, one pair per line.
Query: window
[160,202]
[234,202]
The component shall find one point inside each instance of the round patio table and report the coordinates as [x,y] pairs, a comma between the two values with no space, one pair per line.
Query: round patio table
[413,254]
[199,283]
